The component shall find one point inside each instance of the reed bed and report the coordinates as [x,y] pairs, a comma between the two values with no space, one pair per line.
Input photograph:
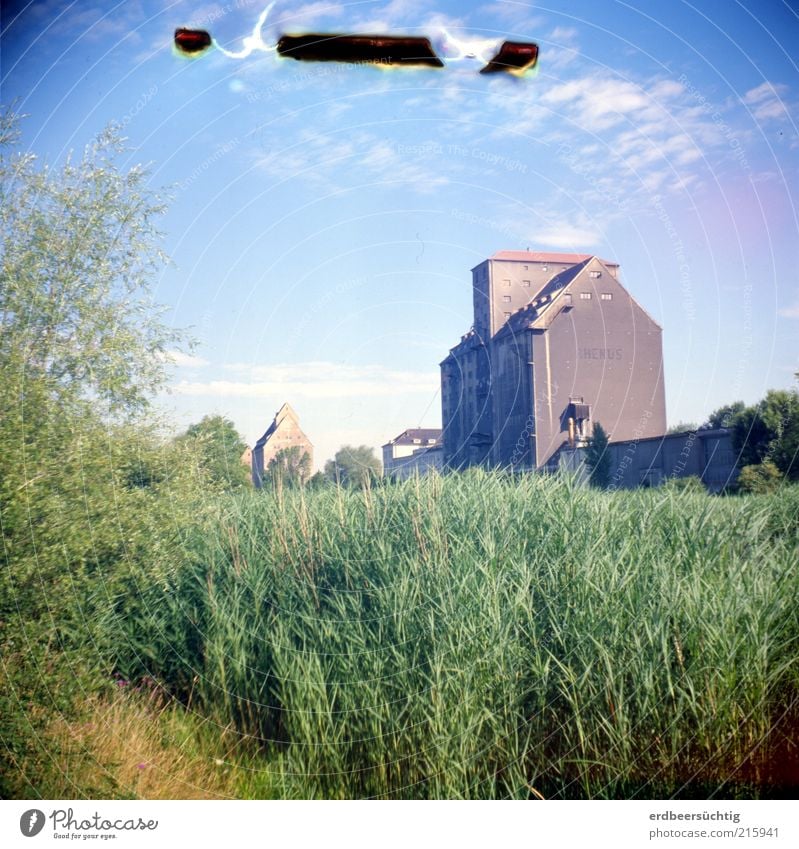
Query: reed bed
[482,636]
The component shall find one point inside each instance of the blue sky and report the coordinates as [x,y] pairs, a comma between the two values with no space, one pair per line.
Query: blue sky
[325,217]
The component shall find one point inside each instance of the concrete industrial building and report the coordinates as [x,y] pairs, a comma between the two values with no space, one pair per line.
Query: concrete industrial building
[414,451]
[284,432]
[557,344]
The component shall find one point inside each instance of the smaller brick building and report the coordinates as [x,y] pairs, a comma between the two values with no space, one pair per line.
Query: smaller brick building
[284,432]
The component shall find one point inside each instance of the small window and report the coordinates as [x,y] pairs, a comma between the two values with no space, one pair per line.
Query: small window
[506,282]
[506,298]
[507,315]
[417,441]
[595,274]
[606,296]
[544,268]
[567,299]
[526,267]
[585,296]
[526,284]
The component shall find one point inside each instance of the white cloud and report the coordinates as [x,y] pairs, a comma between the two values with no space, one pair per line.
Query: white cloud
[363,156]
[516,15]
[766,101]
[601,103]
[317,380]
[565,235]
[772,109]
[563,34]
[541,227]
[629,137]
[306,14]
[178,358]
[559,49]
[765,91]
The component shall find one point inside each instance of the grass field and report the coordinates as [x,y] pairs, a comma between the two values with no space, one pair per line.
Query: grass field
[477,636]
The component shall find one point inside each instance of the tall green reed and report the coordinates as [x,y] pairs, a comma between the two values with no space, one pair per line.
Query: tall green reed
[483,636]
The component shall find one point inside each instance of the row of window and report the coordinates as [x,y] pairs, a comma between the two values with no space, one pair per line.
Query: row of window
[594,275]
[584,296]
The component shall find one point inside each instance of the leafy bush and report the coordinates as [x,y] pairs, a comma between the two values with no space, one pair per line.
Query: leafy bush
[86,490]
[759,478]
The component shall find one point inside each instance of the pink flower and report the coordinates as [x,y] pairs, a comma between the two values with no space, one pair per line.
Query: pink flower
[141,766]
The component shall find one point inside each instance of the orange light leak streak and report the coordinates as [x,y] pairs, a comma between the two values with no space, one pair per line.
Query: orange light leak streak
[492,54]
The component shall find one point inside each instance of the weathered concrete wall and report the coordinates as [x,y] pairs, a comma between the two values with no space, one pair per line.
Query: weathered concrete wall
[607,351]
[466,402]
[709,455]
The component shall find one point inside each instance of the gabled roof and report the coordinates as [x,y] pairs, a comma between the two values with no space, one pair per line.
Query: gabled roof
[544,256]
[286,411]
[550,293]
[407,437]
[527,318]
[269,431]
[560,281]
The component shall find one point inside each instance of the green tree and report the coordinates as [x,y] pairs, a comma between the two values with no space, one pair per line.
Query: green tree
[86,491]
[290,467]
[79,246]
[597,457]
[79,343]
[217,448]
[318,480]
[682,427]
[724,416]
[751,436]
[353,466]
[770,431]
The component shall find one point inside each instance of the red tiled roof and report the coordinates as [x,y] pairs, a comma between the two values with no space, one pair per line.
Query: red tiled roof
[543,256]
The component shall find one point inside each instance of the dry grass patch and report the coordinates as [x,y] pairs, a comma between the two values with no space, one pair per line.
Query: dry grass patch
[134,746]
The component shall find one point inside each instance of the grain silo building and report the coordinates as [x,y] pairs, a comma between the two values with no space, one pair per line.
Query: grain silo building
[557,344]
[284,433]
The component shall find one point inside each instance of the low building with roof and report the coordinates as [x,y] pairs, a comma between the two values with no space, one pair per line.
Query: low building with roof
[414,451]
[707,454]
[557,344]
